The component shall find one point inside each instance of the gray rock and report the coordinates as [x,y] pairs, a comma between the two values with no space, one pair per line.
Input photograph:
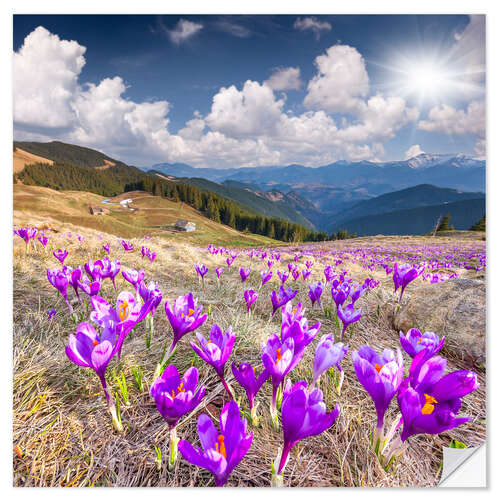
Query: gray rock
[455,309]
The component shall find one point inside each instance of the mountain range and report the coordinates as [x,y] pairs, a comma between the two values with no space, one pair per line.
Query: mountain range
[331,195]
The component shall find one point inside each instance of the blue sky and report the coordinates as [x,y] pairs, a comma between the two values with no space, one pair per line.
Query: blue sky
[251,90]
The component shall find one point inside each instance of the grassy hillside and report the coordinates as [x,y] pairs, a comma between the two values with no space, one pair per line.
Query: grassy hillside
[23,158]
[417,220]
[60,151]
[152,216]
[251,201]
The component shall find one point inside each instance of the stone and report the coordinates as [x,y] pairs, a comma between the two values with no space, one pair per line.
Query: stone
[456,309]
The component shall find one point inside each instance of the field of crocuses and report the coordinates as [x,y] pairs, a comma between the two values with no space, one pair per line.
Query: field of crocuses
[149,363]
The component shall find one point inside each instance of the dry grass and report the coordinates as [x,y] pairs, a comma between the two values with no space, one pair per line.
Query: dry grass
[63,434]
[23,158]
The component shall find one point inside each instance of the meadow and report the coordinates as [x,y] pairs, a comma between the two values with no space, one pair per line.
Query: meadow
[62,431]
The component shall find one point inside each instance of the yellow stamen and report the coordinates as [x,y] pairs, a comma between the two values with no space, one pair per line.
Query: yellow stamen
[95,342]
[378,367]
[294,310]
[278,354]
[419,340]
[428,407]
[220,447]
[190,312]
[124,310]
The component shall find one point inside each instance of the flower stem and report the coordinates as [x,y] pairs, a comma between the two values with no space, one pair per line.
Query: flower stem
[173,448]
[226,386]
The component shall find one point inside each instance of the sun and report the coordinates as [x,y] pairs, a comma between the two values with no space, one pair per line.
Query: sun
[427,80]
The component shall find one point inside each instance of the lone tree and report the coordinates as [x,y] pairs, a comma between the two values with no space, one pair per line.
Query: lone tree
[479,225]
[444,224]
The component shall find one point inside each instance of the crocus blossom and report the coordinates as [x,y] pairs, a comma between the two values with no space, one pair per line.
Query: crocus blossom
[380,375]
[294,325]
[303,414]
[219,271]
[282,297]
[245,376]
[277,357]
[175,396]
[250,297]
[87,348]
[216,350]
[106,248]
[220,452]
[348,316]
[429,400]
[244,273]
[184,317]
[60,255]
[151,293]
[283,276]
[59,281]
[127,246]
[134,277]
[414,342]
[201,270]
[265,276]
[315,291]
[328,353]
[403,275]
[123,318]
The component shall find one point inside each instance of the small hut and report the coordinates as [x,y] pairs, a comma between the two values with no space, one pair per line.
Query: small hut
[184,225]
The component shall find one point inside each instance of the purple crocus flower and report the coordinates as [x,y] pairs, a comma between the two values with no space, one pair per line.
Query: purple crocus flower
[265,276]
[201,270]
[23,233]
[219,271]
[122,318]
[380,375]
[216,351]
[144,251]
[60,255]
[59,281]
[282,276]
[282,297]
[305,274]
[270,263]
[244,273]
[127,246]
[51,313]
[356,291]
[315,291]
[229,261]
[303,414]
[328,353]
[175,396]
[329,273]
[277,357]
[87,348]
[220,453]
[94,269]
[414,342]
[348,316]
[295,325]
[134,277]
[340,294]
[184,317]
[429,400]
[106,248]
[250,297]
[151,293]
[245,376]
[43,240]
[403,275]
[113,269]
[74,276]
[91,288]
[309,264]
[152,256]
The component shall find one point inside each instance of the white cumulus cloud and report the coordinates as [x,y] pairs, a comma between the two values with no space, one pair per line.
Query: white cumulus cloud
[341,81]
[45,79]
[284,79]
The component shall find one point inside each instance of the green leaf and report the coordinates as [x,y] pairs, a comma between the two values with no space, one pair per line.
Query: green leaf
[457,444]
